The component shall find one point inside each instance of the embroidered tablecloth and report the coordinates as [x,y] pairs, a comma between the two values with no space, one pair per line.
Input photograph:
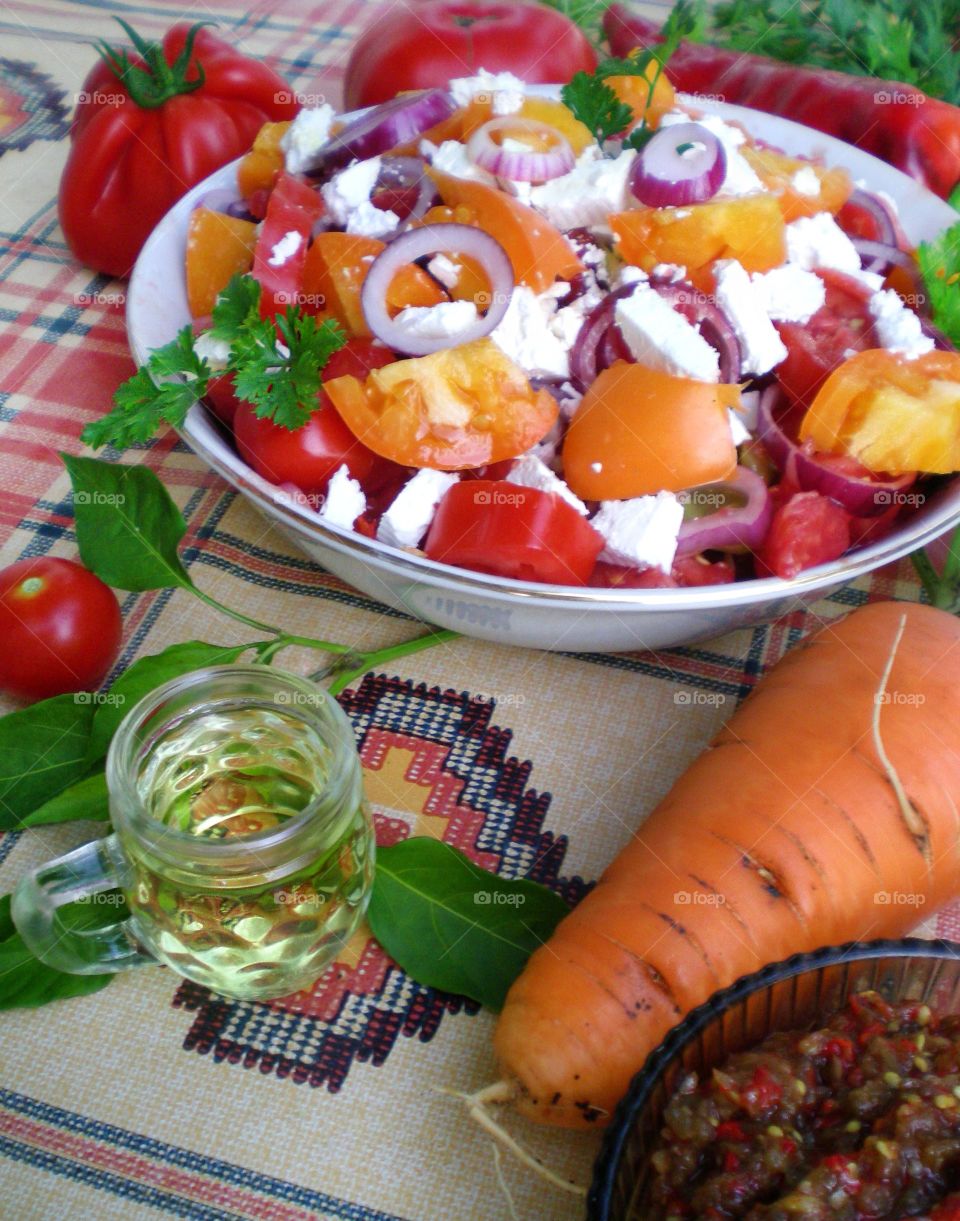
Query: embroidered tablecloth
[154,1097]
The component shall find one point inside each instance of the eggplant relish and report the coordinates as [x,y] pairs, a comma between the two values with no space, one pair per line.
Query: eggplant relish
[859,1119]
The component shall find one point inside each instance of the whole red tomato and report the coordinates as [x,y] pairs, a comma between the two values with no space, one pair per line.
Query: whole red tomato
[148,128]
[60,627]
[418,46]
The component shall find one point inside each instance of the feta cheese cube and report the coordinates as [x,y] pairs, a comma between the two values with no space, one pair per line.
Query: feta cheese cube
[673,273]
[898,327]
[628,274]
[346,191]
[367,220]
[642,532]
[408,518]
[504,90]
[806,182]
[789,294]
[524,335]
[284,250]
[595,187]
[663,339]
[305,137]
[530,472]
[738,429]
[761,348]
[444,270]
[451,158]
[216,352]
[739,178]
[445,321]
[818,241]
[344,501]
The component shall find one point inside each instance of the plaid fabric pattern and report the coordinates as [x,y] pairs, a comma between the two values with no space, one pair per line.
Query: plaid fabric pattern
[132,1103]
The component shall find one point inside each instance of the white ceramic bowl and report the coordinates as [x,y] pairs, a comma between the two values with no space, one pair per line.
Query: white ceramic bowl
[523,612]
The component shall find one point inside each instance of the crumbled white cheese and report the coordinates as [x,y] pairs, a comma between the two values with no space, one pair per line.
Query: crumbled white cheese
[673,273]
[739,178]
[284,250]
[898,327]
[367,220]
[761,347]
[451,158]
[524,335]
[594,188]
[408,518]
[661,338]
[642,532]
[566,323]
[346,191]
[628,274]
[738,429]
[789,294]
[344,501]
[444,321]
[806,182]
[305,137]
[818,241]
[547,447]
[530,472]
[568,400]
[444,270]
[872,279]
[503,90]
[749,409]
[216,352]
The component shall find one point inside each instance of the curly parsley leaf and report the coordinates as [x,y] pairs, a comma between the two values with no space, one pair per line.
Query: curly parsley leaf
[145,401]
[939,261]
[595,104]
[236,308]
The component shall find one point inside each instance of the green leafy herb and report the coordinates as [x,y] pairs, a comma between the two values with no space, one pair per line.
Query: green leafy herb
[939,262]
[43,749]
[595,104]
[87,799]
[280,376]
[587,14]
[885,38]
[452,925]
[25,982]
[145,676]
[128,527]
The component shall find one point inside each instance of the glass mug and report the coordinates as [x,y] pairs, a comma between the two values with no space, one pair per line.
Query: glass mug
[241,841]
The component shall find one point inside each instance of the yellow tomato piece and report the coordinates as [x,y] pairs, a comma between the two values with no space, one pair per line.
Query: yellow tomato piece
[638,431]
[261,166]
[559,117]
[218,247]
[892,414]
[778,173]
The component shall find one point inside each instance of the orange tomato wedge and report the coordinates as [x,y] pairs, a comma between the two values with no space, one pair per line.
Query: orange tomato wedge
[335,269]
[749,229]
[538,252]
[778,172]
[218,247]
[891,414]
[637,432]
[261,167]
[460,407]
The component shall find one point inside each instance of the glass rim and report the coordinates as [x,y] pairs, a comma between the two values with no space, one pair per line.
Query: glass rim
[182,847]
[648,1076]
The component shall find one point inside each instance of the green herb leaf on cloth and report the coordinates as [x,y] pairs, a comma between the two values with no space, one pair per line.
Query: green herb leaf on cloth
[454,926]
[43,750]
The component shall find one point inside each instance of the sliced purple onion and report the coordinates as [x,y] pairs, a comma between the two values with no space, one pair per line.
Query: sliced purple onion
[881,256]
[220,200]
[406,173]
[712,323]
[864,496]
[613,347]
[732,527]
[681,164]
[585,355]
[447,238]
[528,165]
[880,212]
[395,122]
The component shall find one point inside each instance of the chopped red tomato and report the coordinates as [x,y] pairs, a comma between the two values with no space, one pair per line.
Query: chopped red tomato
[808,529]
[281,250]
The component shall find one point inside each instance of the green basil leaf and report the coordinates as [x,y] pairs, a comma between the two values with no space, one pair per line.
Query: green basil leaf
[454,926]
[147,674]
[87,799]
[26,982]
[128,528]
[43,749]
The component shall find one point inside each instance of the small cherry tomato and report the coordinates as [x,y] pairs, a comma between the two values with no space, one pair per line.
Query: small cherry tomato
[60,626]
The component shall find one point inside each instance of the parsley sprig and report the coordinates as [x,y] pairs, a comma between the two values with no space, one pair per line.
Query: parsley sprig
[279,374]
[939,262]
[595,103]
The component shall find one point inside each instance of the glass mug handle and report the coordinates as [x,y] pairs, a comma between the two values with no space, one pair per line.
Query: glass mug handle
[85,872]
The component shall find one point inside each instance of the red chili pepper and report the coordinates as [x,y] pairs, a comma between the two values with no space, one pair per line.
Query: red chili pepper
[840,1048]
[730,1130]
[788,1146]
[730,1161]
[763,1091]
[898,123]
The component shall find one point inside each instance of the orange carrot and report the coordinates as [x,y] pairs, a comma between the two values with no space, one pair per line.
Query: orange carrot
[825,811]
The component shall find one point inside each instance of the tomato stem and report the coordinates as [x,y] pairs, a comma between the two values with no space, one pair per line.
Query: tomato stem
[153,81]
[381,657]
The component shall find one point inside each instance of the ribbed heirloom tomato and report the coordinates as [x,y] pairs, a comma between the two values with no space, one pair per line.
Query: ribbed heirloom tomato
[418,46]
[60,627]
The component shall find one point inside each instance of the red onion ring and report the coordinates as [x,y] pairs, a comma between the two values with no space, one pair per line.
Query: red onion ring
[662,176]
[395,122]
[862,496]
[613,347]
[401,173]
[529,166]
[742,527]
[585,357]
[881,256]
[879,212]
[447,238]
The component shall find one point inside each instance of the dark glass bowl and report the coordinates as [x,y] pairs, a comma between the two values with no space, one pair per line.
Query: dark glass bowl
[794,994]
